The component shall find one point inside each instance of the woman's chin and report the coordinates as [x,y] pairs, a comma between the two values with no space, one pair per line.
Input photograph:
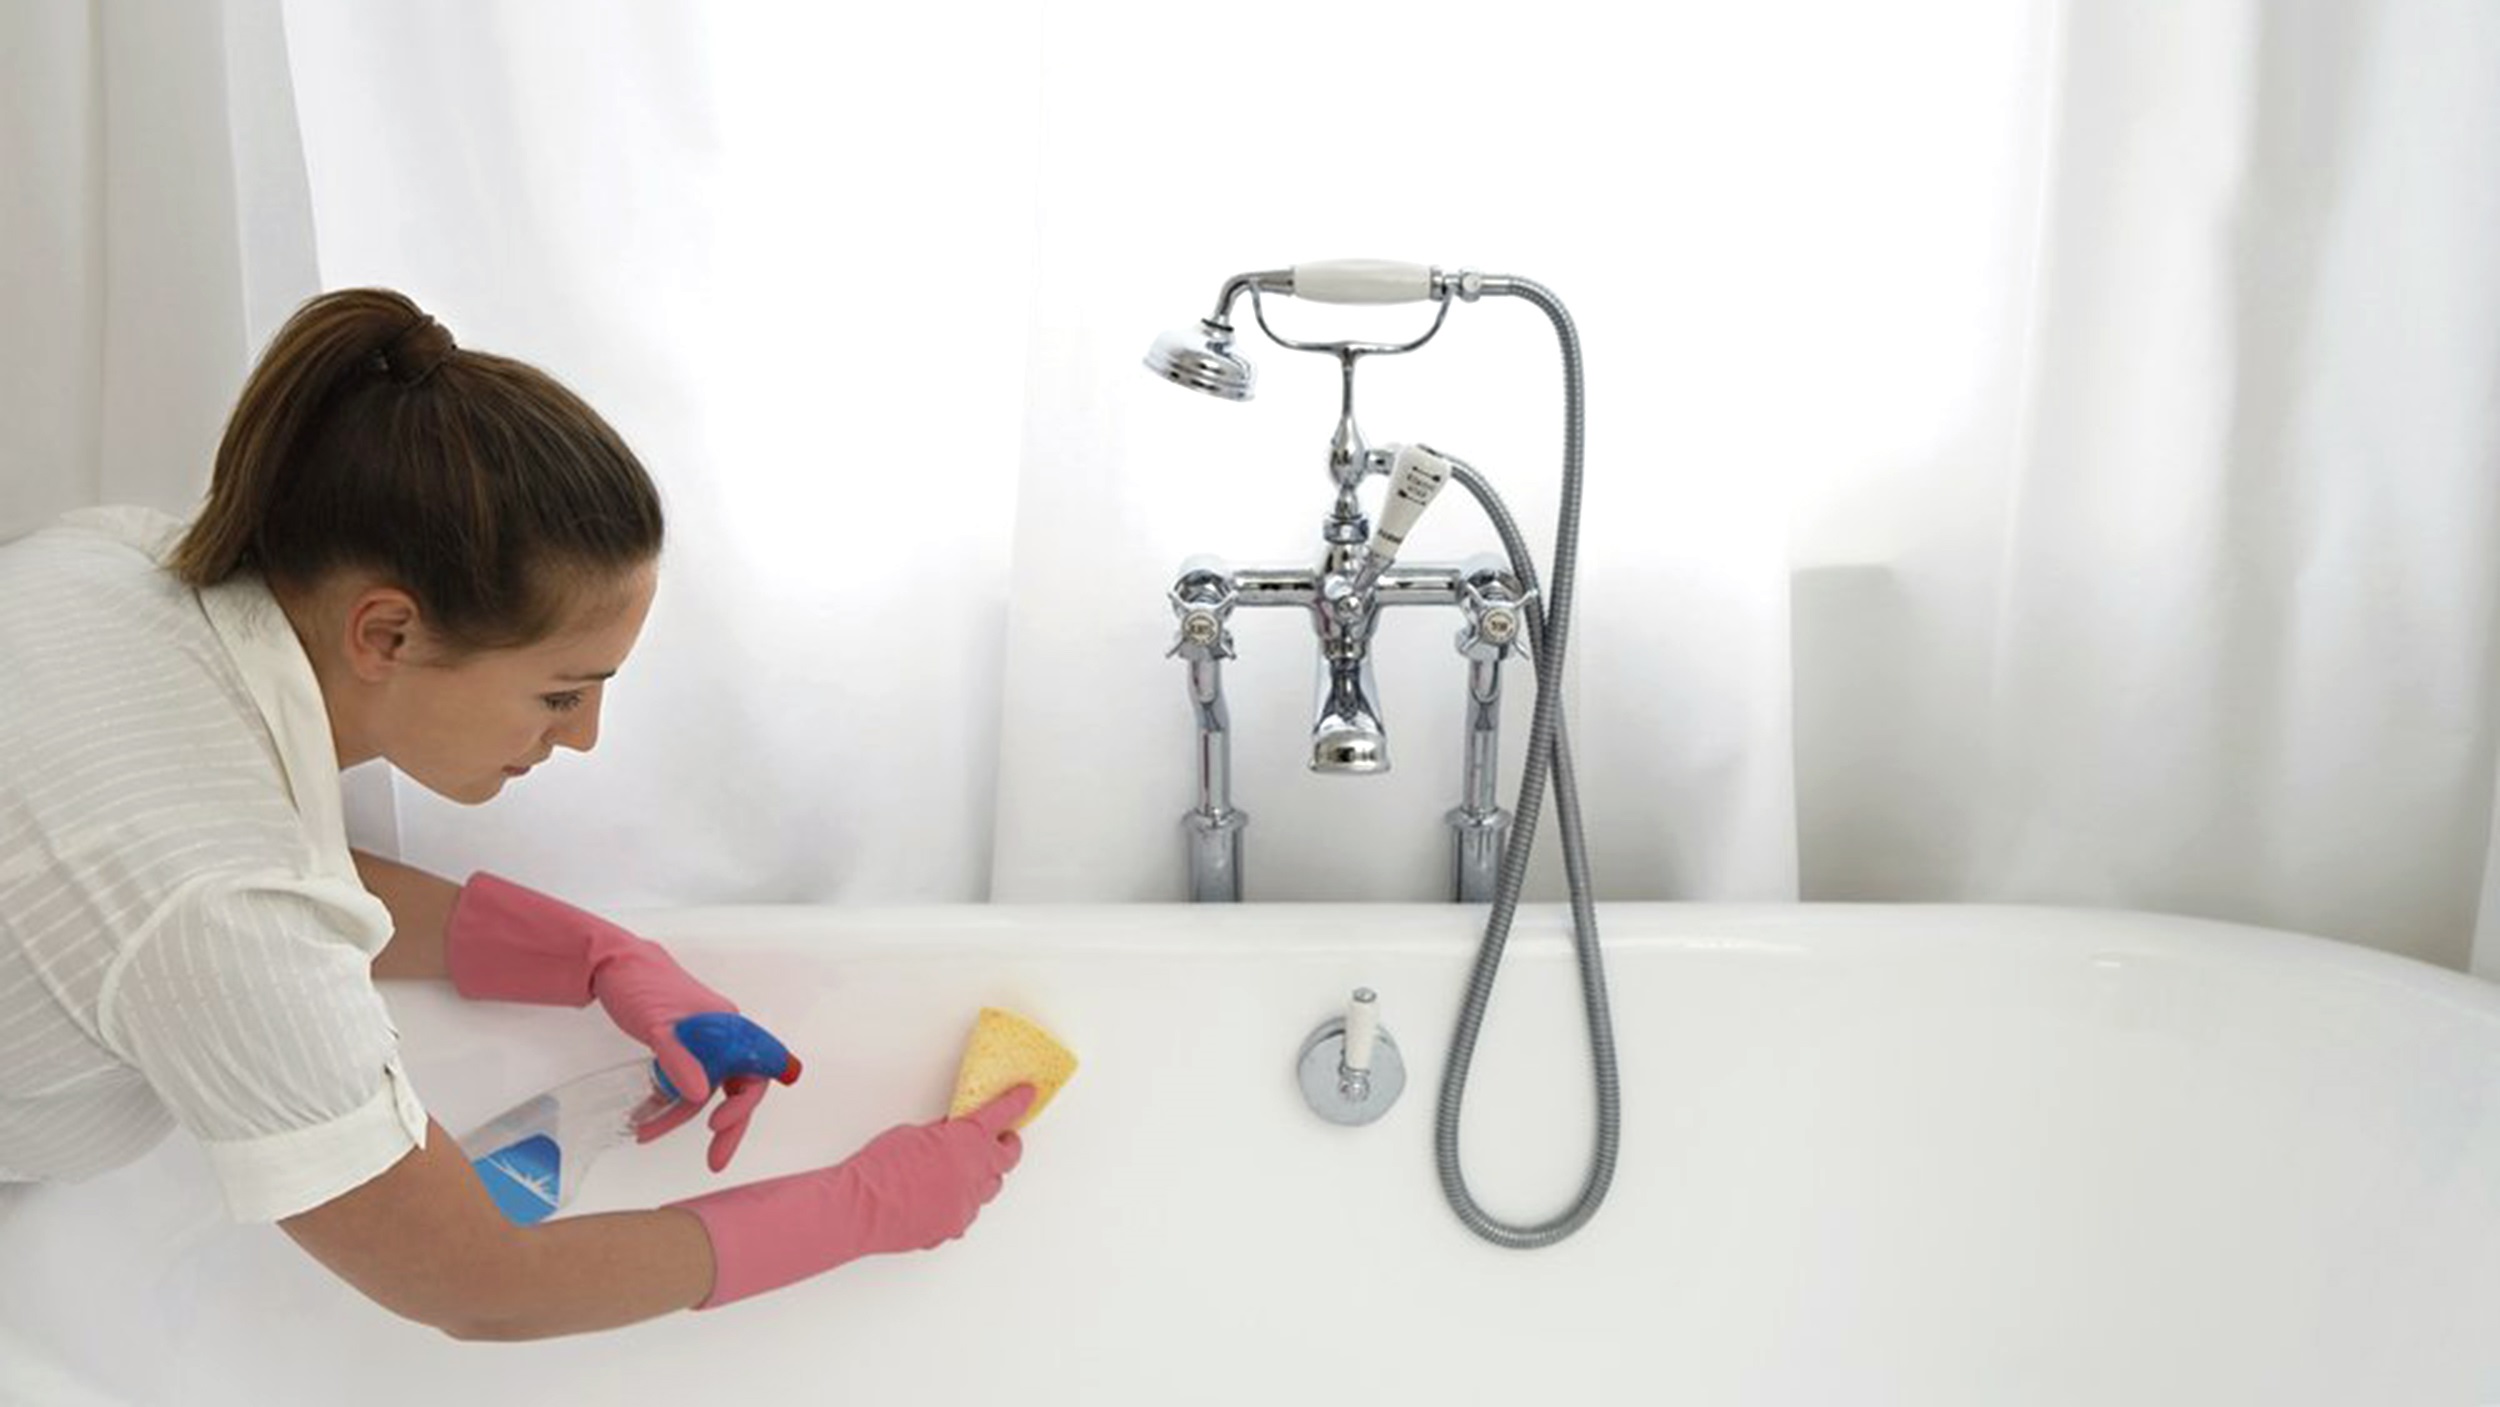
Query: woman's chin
[475,791]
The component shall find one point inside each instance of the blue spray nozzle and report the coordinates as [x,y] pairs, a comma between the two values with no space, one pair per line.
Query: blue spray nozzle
[728,1044]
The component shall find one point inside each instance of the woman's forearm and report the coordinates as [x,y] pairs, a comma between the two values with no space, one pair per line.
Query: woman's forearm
[420,906]
[424,1241]
[586,1273]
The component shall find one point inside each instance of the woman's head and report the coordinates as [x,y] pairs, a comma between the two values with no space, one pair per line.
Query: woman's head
[366,438]
[457,521]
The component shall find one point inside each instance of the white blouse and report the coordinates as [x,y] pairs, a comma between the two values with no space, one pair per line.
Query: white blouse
[183,938]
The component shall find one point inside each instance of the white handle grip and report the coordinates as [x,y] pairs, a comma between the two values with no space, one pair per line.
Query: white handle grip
[1362,1029]
[1362,281]
[1414,479]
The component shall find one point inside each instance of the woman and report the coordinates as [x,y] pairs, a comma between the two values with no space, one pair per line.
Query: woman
[410,552]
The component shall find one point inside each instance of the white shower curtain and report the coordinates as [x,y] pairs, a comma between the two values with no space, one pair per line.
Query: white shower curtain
[158,229]
[2036,453]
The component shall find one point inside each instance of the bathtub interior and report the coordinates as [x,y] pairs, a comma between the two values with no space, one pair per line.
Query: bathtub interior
[1932,1155]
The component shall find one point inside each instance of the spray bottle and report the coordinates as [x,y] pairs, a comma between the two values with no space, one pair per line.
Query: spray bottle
[534,1156]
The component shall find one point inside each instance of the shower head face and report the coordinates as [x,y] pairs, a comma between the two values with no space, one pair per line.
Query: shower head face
[1202,359]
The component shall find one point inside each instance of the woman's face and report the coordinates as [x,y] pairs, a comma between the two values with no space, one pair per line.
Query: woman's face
[464,729]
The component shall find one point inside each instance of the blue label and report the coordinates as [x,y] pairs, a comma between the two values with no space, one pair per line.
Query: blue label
[526,1179]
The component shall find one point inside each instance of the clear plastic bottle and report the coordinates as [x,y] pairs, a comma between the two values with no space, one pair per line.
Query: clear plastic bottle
[534,1156]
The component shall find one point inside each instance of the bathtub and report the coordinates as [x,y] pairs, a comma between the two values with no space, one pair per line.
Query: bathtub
[1929,1155]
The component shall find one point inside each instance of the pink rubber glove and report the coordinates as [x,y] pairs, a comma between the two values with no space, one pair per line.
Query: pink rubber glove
[912,1188]
[505,942]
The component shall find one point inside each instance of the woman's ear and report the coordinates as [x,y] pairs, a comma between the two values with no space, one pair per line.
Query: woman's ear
[382,629]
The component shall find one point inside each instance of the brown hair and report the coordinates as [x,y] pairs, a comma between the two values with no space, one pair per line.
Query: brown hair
[478,484]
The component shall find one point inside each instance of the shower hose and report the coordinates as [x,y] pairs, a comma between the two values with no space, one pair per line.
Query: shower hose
[1549,752]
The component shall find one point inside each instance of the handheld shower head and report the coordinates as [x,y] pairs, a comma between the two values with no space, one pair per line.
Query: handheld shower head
[1203,360]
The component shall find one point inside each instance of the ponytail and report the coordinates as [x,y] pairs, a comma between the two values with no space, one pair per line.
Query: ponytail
[366,437]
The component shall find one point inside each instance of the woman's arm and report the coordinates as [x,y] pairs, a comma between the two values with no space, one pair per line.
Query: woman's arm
[424,1241]
[498,941]
[420,906]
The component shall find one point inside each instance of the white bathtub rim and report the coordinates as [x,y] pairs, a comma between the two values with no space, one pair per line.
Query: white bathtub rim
[1543,932]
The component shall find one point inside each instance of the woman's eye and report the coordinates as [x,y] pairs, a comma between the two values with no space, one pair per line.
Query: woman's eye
[563,703]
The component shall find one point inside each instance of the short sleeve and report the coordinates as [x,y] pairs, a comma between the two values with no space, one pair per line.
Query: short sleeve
[251,1012]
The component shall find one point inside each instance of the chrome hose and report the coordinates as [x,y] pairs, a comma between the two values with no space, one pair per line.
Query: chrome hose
[1549,753]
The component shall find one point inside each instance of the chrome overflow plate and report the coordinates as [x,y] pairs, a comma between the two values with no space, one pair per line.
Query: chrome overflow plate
[1350,1069]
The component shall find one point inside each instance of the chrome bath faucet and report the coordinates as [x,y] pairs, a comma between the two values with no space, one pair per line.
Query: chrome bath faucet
[1353,579]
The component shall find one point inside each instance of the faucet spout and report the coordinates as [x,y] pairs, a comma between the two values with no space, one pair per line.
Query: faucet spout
[1348,737]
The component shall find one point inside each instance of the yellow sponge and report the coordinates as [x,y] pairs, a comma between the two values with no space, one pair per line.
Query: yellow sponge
[1006,1051]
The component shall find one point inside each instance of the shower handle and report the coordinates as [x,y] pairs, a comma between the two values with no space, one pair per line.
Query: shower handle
[1364,281]
[1416,474]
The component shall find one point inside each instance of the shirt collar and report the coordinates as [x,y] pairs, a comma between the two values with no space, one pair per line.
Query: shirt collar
[283,687]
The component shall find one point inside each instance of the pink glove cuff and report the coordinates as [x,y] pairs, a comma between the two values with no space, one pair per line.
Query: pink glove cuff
[912,1188]
[773,1233]
[508,943]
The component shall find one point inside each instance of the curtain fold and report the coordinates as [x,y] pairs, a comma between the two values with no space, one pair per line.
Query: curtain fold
[160,231]
[2246,638]
[51,143]
[2214,632]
